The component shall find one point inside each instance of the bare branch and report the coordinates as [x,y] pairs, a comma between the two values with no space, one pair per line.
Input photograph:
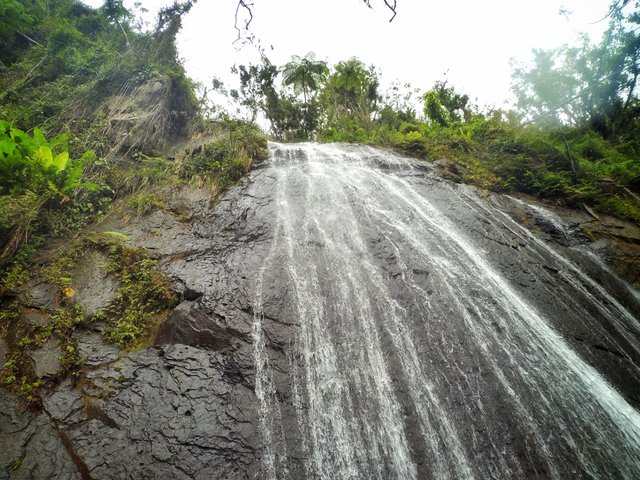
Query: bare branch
[391,5]
[248,8]
[28,37]
[392,8]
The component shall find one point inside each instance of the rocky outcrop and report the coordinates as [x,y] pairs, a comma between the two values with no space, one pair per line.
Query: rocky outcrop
[30,446]
[407,328]
[94,289]
[175,412]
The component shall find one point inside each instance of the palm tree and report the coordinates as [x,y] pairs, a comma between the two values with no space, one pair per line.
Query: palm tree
[305,74]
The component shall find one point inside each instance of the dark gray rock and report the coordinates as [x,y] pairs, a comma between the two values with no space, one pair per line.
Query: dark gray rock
[30,447]
[4,350]
[37,318]
[160,233]
[94,288]
[42,295]
[46,360]
[450,170]
[94,350]
[177,412]
[188,324]
[64,402]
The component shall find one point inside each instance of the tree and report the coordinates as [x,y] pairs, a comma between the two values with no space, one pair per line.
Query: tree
[258,93]
[15,19]
[442,105]
[593,85]
[304,74]
[351,96]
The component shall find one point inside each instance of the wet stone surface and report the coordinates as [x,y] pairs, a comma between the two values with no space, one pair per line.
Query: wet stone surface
[4,350]
[37,318]
[176,412]
[41,295]
[94,288]
[346,313]
[30,448]
[46,360]
[94,350]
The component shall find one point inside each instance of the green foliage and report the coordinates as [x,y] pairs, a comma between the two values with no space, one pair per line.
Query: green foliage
[569,165]
[15,276]
[144,293]
[226,159]
[304,74]
[444,106]
[289,118]
[15,19]
[36,177]
[590,86]
[31,164]
[144,203]
[141,173]
[349,99]
[338,103]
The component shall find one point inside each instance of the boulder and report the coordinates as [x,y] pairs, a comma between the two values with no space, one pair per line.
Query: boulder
[37,318]
[41,295]
[46,361]
[94,288]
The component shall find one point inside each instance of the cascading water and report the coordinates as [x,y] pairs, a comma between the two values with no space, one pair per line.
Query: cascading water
[428,335]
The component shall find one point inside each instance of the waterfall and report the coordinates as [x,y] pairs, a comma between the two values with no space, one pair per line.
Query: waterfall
[422,333]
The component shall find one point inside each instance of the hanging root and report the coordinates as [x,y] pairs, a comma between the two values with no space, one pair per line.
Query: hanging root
[17,237]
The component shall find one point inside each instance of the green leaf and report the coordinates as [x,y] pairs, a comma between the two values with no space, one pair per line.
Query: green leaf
[38,137]
[61,160]
[45,155]
[94,187]
[58,140]
[7,147]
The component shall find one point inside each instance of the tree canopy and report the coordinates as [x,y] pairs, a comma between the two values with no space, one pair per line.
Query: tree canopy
[590,85]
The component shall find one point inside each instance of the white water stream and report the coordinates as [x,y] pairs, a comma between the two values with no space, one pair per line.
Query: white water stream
[413,354]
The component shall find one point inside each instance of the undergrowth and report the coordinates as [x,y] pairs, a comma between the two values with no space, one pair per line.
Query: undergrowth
[568,166]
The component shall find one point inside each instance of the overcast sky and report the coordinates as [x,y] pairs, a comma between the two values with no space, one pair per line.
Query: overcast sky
[471,41]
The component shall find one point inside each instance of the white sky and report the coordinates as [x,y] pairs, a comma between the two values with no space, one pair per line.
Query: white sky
[472,41]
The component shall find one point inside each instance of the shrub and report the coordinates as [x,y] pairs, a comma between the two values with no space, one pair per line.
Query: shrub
[34,173]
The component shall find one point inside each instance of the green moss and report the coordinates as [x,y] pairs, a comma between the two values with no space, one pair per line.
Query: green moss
[142,300]
[143,295]
[145,203]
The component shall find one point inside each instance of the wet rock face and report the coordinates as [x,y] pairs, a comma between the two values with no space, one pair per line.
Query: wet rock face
[94,288]
[30,447]
[188,324]
[37,318]
[46,359]
[95,351]
[177,412]
[41,295]
[4,350]
[346,313]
